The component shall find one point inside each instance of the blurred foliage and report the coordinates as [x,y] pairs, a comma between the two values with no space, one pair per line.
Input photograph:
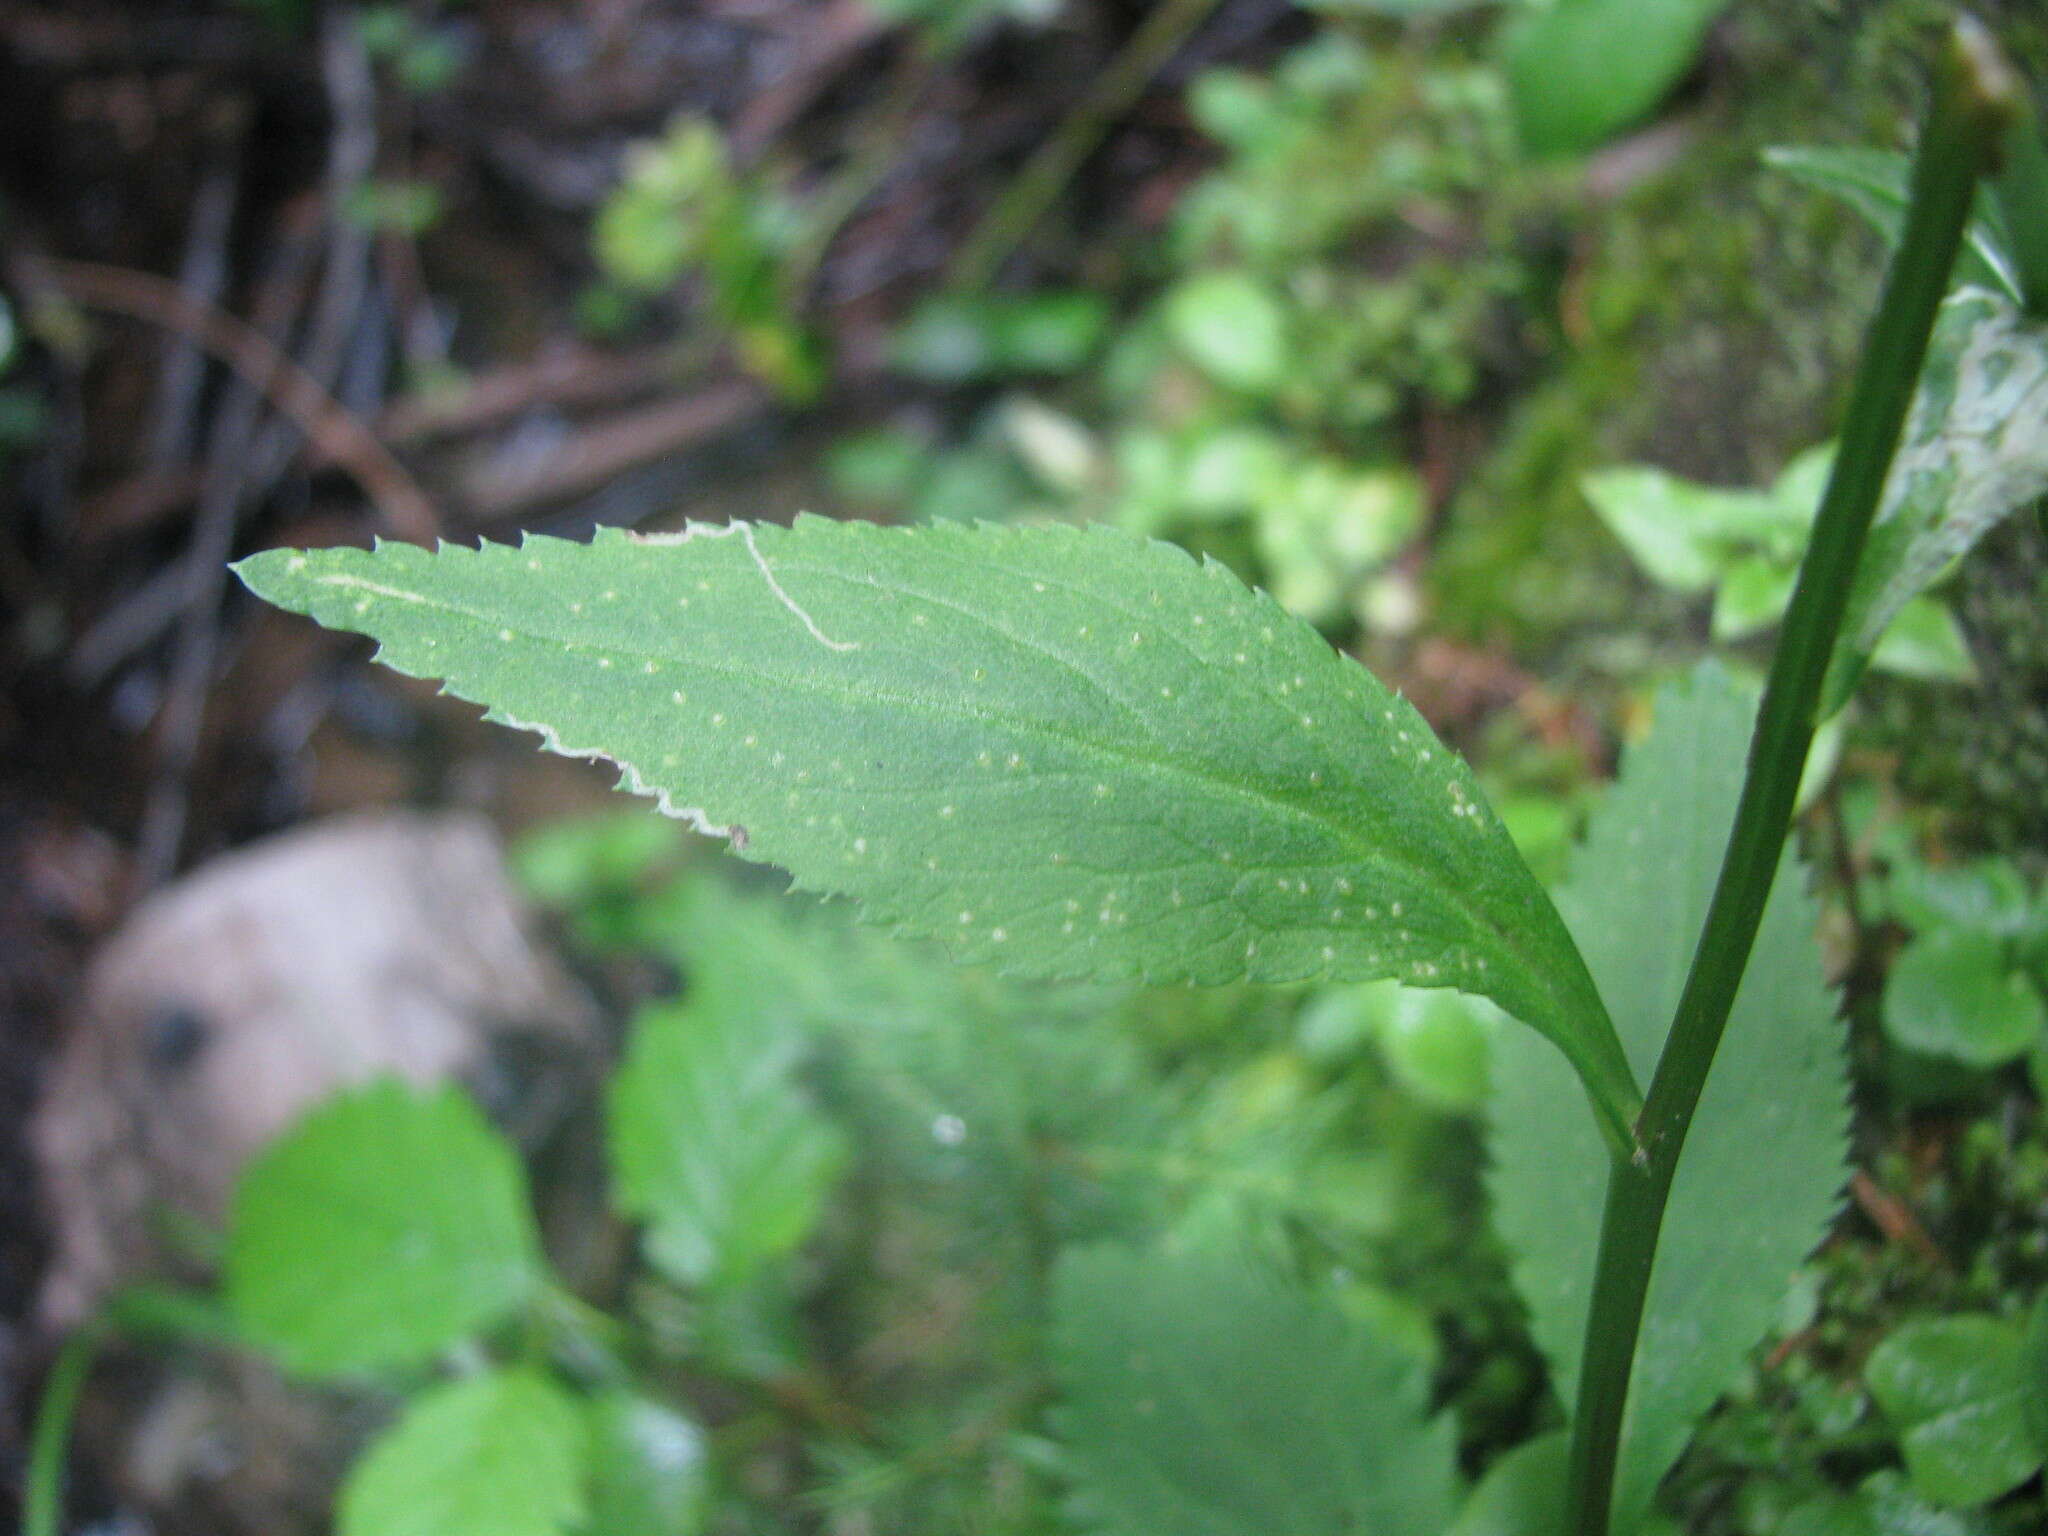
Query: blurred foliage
[863,1183]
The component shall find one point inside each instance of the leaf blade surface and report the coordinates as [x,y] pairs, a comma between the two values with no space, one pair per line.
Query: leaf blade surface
[1066,752]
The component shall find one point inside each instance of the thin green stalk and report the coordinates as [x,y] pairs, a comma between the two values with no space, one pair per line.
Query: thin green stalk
[1974,100]
[42,1512]
[1024,202]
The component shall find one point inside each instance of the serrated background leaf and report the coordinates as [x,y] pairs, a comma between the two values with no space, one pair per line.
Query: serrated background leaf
[1066,751]
[712,1146]
[501,1454]
[386,1226]
[1204,1398]
[1762,1169]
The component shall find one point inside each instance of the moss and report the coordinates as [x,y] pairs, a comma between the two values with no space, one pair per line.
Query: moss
[1712,316]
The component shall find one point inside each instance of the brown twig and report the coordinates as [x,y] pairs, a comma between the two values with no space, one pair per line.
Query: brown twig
[601,452]
[335,434]
[1894,1218]
[575,376]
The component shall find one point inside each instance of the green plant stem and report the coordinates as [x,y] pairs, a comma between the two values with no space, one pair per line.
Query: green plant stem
[1973,102]
[42,1512]
[1024,201]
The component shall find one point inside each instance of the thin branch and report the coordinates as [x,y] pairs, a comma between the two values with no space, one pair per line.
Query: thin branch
[333,432]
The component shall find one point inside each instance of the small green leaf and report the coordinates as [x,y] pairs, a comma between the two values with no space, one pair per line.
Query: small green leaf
[712,1146]
[1203,1398]
[1989,895]
[1231,327]
[1954,992]
[501,1454]
[1924,641]
[1580,70]
[1956,1388]
[1739,1224]
[386,1226]
[1752,597]
[1873,182]
[1065,751]
[649,1475]
[1685,536]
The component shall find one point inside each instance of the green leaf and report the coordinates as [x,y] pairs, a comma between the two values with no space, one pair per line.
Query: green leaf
[1522,1494]
[1204,1398]
[501,1454]
[1873,182]
[2036,1372]
[1975,450]
[386,1226]
[1954,992]
[1685,536]
[1739,1223]
[1231,327]
[1956,1389]
[1924,641]
[713,1147]
[1752,597]
[649,1475]
[1883,1506]
[1989,895]
[1064,751]
[1580,70]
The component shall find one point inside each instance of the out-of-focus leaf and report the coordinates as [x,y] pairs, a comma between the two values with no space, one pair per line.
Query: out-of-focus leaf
[1884,1506]
[1923,640]
[386,1226]
[501,1454]
[1954,992]
[1580,70]
[1739,1224]
[1752,597]
[712,1146]
[1204,1398]
[1975,450]
[1684,535]
[1873,182]
[1956,1389]
[1522,1494]
[1231,327]
[649,1475]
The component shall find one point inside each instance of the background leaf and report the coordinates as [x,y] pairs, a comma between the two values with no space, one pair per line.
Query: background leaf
[501,1454]
[649,1475]
[1065,751]
[713,1147]
[1975,450]
[1954,992]
[1873,182]
[1580,70]
[386,1226]
[1740,1221]
[1956,1388]
[1204,1398]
